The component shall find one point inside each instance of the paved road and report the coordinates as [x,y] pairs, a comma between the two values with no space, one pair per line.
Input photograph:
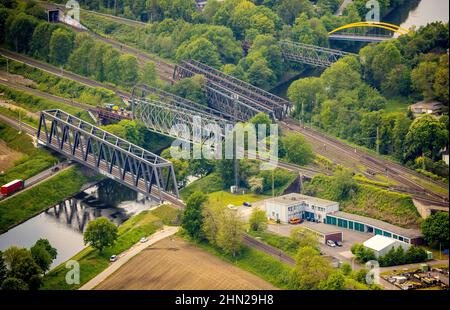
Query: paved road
[167,231]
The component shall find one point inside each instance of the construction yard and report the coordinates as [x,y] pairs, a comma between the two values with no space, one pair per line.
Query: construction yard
[174,264]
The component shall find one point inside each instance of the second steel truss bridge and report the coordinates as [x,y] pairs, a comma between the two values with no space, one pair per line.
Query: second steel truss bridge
[248,99]
[311,54]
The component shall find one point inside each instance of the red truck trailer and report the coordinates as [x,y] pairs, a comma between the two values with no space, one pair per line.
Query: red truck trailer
[12,187]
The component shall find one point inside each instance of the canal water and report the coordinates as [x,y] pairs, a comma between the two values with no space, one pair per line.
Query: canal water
[63,224]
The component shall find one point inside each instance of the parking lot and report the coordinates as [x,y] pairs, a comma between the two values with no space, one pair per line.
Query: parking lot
[343,253]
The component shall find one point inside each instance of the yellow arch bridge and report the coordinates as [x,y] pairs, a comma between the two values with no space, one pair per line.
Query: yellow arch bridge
[386,32]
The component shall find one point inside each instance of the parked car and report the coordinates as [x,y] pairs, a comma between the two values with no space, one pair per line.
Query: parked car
[144,240]
[338,243]
[113,258]
[295,220]
[331,243]
[247,204]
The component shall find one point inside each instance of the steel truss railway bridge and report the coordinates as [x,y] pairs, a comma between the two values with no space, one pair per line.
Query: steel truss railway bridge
[311,54]
[116,158]
[233,96]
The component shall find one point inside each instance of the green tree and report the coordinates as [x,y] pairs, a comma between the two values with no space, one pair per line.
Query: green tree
[397,82]
[14,284]
[111,66]
[43,254]
[61,45]
[148,75]
[100,233]
[310,270]
[128,68]
[362,253]
[288,10]
[346,269]
[192,88]
[305,238]
[343,184]
[258,220]
[200,49]
[298,151]
[230,232]
[20,31]
[40,40]
[423,79]
[192,220]
[426,136]
[384,61]
[3,269]
[260,75]
[22,266]
[309,31]
[335,282]
[435,229]
[441,82]
[305,95]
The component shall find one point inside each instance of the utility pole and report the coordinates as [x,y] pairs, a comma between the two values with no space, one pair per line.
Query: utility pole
[378,140]
[20,122]
[7,64]
[236,161]
[273,184]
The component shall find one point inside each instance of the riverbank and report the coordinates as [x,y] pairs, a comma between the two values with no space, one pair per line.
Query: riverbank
[93,263]
[48,193]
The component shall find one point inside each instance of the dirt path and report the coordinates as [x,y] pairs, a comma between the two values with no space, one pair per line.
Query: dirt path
[7,157]
[174,264]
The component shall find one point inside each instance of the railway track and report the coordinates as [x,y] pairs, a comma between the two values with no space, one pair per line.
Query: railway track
[283,257]
[399,174]
[163,69]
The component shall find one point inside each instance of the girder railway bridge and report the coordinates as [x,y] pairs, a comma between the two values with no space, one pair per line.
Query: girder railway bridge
[116,158]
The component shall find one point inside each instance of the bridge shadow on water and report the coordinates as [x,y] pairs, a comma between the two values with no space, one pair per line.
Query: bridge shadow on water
[104,200]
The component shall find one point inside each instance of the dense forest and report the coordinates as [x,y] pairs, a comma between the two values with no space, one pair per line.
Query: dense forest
[350,99]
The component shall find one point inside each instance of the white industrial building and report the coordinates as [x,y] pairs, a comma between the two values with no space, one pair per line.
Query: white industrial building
[381,245]
[285,207]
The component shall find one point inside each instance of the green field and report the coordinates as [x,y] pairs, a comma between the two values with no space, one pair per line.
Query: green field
[224,199]
[33,161]
[41,196]
[92,262]
[210,183]
[286,244]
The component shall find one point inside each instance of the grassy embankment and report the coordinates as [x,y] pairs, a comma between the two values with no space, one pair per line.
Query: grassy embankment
[36,104]
[36,199]
[33,161]
[60,86]
[92,262]
[394,208]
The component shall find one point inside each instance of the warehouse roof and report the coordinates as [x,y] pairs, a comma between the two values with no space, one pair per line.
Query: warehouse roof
[294,198]
[409,233]
[378,242]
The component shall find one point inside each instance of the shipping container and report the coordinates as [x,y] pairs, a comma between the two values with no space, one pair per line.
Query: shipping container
[12,187]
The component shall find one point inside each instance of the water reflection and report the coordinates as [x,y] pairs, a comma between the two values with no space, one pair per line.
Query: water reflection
[64,223]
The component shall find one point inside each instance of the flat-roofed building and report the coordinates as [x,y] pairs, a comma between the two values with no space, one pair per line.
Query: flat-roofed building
[286,207]
[324,232]
[425,107]
[374,226]
[381,245]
